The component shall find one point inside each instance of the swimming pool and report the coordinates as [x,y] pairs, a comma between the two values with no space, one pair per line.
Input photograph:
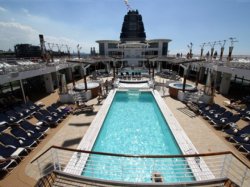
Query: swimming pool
[134,125]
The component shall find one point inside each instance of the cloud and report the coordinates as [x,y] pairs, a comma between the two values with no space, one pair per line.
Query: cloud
[26,12]
[3,9]
[23,27]
[12,33]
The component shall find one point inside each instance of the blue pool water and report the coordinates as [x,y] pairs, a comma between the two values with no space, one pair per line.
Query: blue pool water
[134,125]
[180,85]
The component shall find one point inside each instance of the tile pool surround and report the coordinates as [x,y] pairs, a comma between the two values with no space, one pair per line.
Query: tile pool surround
[181,138]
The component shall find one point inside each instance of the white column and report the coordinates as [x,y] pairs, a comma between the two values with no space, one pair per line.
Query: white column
[225,83]
[48,83]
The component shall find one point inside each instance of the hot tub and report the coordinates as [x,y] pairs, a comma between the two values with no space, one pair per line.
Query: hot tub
[94,87]
[176,86]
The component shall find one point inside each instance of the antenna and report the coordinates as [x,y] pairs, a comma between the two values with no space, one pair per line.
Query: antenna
[78,50]
[222,43]
[127,4]
[190,46]
[202,49]
[233,40]
[203,45]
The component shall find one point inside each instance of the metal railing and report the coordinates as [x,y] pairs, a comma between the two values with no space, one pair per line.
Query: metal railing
[8,66]
[160,169]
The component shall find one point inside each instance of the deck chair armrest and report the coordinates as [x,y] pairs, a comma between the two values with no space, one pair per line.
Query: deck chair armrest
[48,117]
[30,131]
[20,138]
[11,146]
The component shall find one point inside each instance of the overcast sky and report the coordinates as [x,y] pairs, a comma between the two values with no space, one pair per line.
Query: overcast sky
[83,22]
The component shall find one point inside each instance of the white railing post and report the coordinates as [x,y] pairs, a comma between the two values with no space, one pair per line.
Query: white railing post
[244,176]
[223,166]
[226,165]
[39,167]
[57,161]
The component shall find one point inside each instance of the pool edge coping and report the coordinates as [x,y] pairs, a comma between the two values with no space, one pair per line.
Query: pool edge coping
[179,134]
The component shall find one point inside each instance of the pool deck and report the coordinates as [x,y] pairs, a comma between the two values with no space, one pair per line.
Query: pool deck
[202,135]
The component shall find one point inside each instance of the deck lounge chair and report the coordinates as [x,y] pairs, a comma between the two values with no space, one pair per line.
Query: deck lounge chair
[33,106]
[7,164]
[4,120]
[244,147]
[214,113]
[19,132]
[7,139]
[58,106]
[52,122]
[242,139]
[227,122]
[208,108]
[60,112]
[7,151]
[25,111]
[14,117]
[217,117]
[33,128]
[246,115]
[53,115]
[237,132]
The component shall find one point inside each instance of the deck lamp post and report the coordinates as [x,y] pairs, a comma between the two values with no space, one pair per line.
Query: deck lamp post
[68,51]
[153,69]
[78,50]
[116,58]
[51,45]
[222,47]
[148,57]
[190,47]
[212,44]
[84,78]
[185,72]
[59,49]
[232,40]
[202,49]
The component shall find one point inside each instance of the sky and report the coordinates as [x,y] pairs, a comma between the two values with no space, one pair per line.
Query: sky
[72,22]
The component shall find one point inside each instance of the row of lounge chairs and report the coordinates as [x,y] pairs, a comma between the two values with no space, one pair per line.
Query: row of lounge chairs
[23,136]
[218,116]
[128,76]
[240,138]
[21,139]
[226,121]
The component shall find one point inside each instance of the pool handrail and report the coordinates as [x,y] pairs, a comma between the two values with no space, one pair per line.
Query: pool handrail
[141,156]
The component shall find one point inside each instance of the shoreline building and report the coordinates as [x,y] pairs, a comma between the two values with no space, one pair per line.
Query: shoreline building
[133,45]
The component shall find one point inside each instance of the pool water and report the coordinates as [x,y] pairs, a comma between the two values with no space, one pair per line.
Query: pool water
[180,85]
[134,125]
